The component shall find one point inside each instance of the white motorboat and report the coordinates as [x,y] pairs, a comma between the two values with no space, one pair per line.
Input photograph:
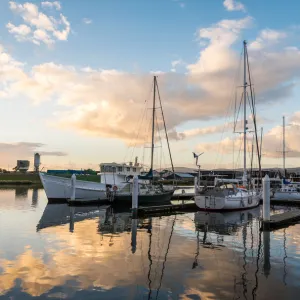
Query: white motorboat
[226,195]
[286,193]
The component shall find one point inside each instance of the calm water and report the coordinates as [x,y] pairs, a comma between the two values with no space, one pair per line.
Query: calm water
[58,252]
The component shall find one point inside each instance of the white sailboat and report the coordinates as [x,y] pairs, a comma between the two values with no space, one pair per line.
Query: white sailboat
[287,192]
[228,196]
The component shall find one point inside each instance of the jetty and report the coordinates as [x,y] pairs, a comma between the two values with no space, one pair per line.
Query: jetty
[282,220]
[166,209]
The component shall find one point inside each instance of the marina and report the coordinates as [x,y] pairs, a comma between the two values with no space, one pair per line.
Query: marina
[59,249]
[149,155]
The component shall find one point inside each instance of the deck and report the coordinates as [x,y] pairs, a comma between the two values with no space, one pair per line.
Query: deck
[282,220]
[166,209]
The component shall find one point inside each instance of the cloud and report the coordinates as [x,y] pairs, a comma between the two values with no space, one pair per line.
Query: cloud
[267,37]
[21,32]
[11,152]
[109,103]
[272,141]
[175,64]
[233,5]
[87,21]
[55,4]
[39,28]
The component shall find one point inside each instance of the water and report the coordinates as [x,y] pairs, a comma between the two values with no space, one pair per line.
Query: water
[58,252]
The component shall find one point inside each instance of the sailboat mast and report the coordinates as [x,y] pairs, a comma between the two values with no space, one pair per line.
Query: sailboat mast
[283,144]
[153,120]
[245,114]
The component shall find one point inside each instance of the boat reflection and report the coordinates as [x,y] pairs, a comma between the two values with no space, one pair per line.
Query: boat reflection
[224,222]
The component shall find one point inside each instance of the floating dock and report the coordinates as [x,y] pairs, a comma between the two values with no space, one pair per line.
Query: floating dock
[282,220]
[166,209]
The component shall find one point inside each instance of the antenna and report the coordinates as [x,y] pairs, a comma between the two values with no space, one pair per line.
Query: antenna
[197,156]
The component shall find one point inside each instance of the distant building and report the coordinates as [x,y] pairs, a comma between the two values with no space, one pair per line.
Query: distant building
[22,165]
[181,177]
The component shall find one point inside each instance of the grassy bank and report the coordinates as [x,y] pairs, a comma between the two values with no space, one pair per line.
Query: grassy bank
[19,178]
[33,178]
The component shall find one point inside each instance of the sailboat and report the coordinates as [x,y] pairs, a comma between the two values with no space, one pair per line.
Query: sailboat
[112,188]
[287,191]
[148,191]
[227,196]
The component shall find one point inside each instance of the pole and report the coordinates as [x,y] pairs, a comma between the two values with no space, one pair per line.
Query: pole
[73,187]
[245,116]
[196,185]
[135,195]
[153,120]
[266,200]
[283,144]
[267,264]
[133,235]
[72,212]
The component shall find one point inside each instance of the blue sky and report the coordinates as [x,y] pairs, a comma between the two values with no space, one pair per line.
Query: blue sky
[81,71]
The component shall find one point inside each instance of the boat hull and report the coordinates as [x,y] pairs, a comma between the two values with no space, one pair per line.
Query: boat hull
[228,203]
[59,188]
[286,196]
[145,199]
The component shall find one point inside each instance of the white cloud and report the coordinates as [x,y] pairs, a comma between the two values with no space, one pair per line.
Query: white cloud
[175,64]
[85,97]
[55,4]
[87,21]
[40,28]
[233,5]
[267,37]
[20,32]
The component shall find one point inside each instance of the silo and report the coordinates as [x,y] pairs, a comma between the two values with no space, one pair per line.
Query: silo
[37,162]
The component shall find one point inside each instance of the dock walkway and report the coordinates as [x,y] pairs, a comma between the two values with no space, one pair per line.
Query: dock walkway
[282,220]
[144,210]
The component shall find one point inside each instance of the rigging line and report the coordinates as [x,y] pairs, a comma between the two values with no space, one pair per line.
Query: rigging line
[237,114]
[254,112]
[143,112]
[251,166]
[165,259]
[239,153]
[226,115]
[164,122]
[159,139]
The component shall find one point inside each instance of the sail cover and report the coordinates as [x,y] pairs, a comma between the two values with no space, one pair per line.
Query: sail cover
[148,176]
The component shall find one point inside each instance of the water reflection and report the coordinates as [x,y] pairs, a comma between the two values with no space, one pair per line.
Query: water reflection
[102,252]
[21,192]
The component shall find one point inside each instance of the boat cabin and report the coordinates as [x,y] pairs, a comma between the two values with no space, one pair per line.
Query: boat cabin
[116,173]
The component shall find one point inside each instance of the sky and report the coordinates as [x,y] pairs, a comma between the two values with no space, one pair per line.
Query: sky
[76,80]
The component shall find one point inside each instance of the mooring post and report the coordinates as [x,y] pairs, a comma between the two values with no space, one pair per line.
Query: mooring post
[135,195]
[73,187]
[72,212]
[133,234]
[196,185]
[266,202]
[267,264]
